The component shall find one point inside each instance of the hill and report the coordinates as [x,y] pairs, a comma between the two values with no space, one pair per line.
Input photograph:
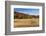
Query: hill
[18,15]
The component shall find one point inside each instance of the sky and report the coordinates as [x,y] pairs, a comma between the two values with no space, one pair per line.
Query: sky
[29,11]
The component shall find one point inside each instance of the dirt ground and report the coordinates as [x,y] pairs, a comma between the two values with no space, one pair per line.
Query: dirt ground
[26,22]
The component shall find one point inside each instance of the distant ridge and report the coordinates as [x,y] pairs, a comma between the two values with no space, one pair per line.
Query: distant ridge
[26,14]
[21,15]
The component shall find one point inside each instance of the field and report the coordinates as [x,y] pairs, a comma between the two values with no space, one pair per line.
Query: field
[34,22]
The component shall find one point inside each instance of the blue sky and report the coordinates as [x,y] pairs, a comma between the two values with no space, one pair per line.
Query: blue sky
[29,11]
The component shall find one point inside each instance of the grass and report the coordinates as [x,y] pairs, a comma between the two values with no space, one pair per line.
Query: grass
[34,22]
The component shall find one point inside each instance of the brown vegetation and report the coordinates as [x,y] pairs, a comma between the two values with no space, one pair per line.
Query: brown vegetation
[26,22]
[23,16]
